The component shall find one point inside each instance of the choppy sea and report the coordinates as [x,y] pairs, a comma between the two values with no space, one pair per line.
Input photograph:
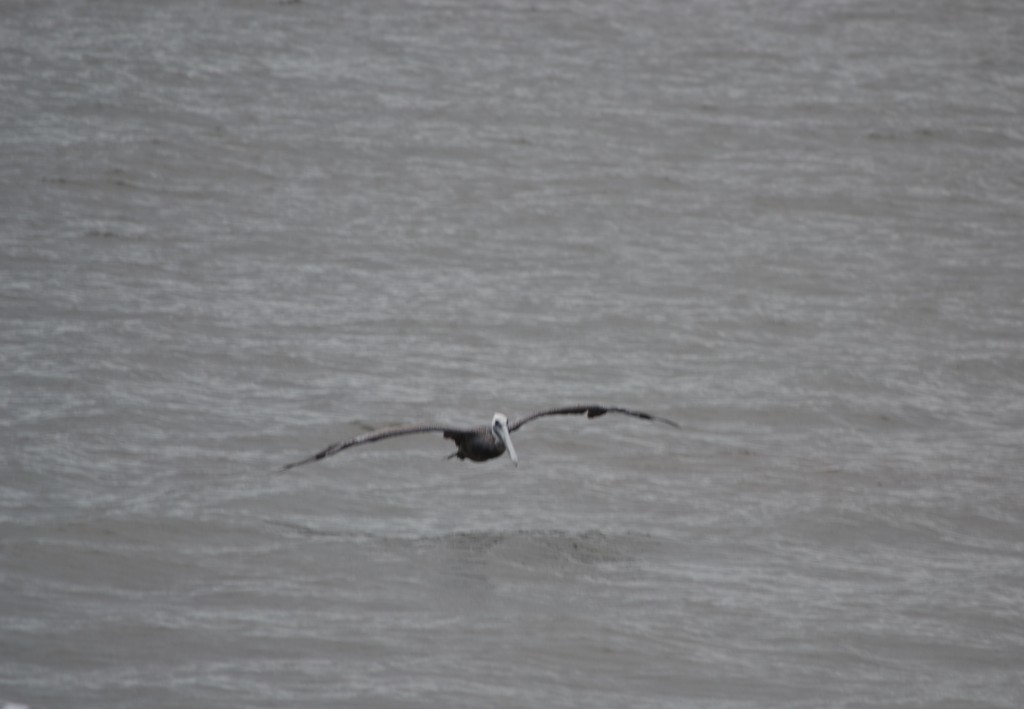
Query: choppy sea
[235,232]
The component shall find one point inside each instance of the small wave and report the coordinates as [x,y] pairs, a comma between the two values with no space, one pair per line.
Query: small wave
[531,547]
[544,547]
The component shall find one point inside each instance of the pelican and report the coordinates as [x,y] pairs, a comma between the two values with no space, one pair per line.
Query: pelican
[480,443]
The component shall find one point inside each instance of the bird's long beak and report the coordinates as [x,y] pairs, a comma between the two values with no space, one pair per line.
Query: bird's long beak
[507,439]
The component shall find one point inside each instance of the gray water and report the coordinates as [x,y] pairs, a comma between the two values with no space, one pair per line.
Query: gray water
[235,232]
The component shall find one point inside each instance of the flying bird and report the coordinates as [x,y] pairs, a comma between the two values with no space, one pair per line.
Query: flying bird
[480,443]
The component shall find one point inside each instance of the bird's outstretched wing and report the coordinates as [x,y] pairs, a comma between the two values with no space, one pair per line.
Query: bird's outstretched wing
[378,435]
[592,411]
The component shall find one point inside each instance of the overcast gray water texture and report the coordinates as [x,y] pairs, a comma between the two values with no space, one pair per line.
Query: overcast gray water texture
[235,232]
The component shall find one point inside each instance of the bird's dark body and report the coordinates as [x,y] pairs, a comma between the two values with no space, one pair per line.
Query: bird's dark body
[477,445]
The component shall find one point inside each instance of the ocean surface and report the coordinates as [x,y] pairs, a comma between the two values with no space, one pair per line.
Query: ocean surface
[235,232]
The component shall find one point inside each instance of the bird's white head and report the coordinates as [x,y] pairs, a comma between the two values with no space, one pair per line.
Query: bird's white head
[499,426]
